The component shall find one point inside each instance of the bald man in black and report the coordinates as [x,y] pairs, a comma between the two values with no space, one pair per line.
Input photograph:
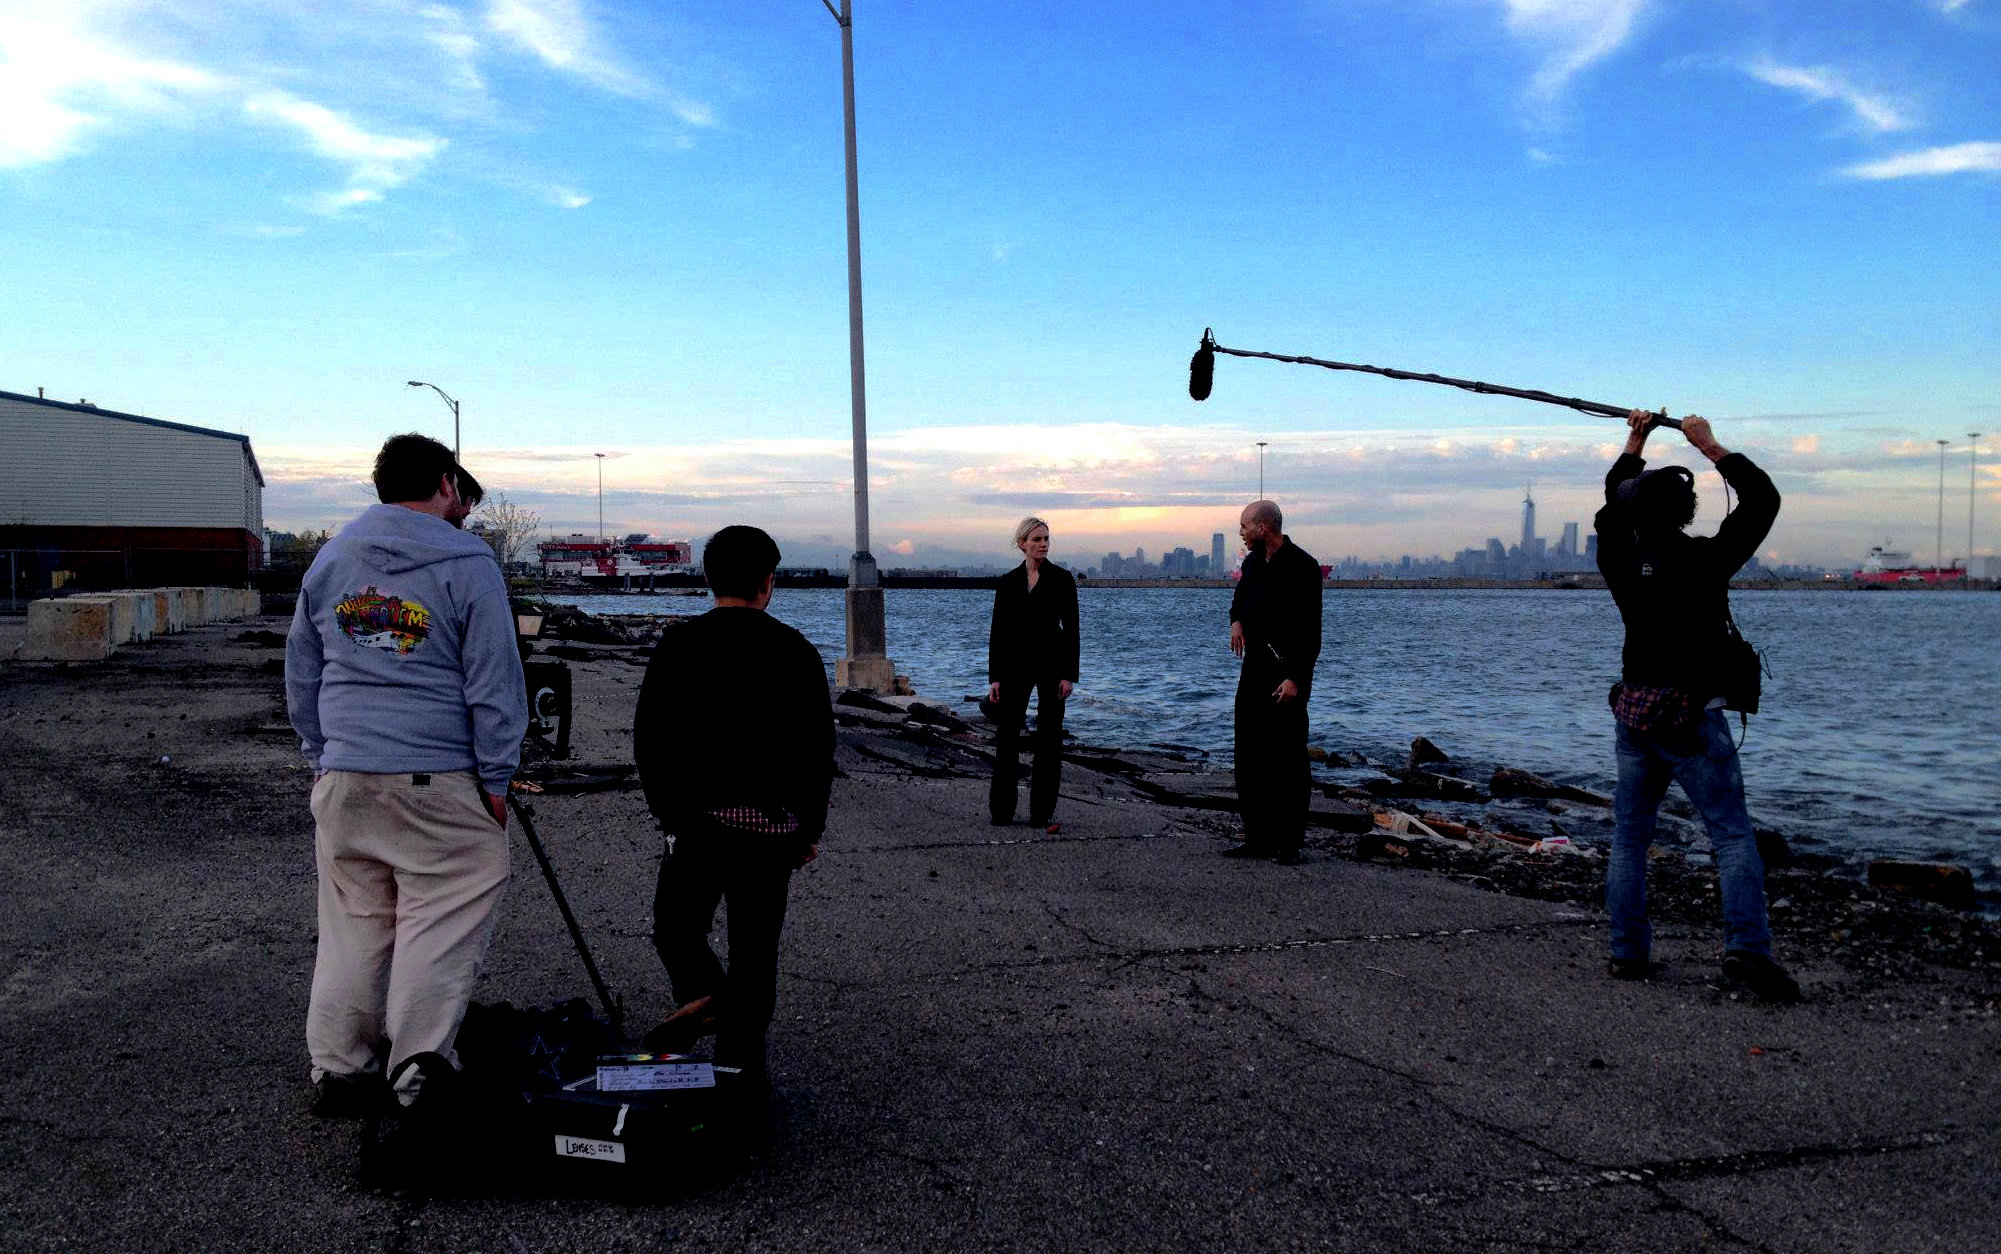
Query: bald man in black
[1275,629]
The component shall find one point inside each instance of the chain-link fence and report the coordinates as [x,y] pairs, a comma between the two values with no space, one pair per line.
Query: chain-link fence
[32,573]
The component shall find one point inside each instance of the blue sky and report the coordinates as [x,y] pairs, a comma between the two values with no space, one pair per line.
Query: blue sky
[619,228]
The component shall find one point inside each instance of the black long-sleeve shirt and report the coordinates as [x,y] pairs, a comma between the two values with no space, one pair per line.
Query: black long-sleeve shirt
[1673,589]
[734,711]
[1278,602]
[1034,632]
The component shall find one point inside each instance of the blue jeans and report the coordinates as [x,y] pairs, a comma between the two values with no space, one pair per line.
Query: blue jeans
[1702,758]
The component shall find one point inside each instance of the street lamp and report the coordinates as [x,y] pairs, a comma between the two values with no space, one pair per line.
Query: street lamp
[415,383]
[1972,457]
[600,457]
[1938,559]
[1261,468]
[865,664]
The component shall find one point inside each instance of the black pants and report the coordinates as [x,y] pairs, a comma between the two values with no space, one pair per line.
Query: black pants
[1274,782]
[752,873]
[1048,746]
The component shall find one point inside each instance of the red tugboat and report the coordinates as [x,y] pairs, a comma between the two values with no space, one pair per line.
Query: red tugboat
[615,563]
[1886,565]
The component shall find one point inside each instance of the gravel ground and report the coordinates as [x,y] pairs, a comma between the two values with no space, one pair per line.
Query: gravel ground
[1106,1038]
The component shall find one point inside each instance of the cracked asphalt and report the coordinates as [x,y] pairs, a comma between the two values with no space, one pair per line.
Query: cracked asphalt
[988,1038]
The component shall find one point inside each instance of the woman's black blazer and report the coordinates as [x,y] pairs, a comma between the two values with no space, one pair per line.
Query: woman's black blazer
[1034,634]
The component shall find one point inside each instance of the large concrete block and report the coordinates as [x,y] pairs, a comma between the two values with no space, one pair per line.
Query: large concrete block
[134,615]
[73,629]
[169,611]
[227,605]
[139,606]
[124,616]
[194,606]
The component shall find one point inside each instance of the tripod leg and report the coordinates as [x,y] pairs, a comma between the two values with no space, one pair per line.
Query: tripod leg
[613,1009]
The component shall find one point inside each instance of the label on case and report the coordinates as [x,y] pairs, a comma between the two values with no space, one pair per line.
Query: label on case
[584,1147]
[655,1076]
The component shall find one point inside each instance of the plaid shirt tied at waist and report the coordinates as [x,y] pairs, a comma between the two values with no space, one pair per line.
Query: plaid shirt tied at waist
[1651,709]
[776,822]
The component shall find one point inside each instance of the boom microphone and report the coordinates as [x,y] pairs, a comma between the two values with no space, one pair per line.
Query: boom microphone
[1202,376]
[1202,368]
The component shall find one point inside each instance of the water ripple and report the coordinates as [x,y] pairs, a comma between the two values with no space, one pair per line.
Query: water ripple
[1882,714]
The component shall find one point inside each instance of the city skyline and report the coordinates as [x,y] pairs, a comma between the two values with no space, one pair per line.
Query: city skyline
[995,550]
[605,227]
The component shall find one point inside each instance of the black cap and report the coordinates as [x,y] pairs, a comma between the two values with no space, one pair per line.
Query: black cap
[1649,482]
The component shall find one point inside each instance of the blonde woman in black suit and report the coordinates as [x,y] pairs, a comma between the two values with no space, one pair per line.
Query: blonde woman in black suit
[1032,645]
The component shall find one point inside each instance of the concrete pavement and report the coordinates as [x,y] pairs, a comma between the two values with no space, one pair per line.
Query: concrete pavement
[987,1038]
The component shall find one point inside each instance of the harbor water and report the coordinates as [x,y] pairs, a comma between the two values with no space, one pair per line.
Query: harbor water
[1878,738]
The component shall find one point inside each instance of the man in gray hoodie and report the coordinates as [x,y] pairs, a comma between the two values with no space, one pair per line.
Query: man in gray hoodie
[403,680]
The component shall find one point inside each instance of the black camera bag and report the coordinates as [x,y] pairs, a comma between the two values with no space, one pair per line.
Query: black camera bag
[1743,671]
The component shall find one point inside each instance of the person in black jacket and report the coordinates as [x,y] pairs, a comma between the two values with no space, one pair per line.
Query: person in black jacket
[1031,645]
[1673,592]
[734,739]
[1275,629]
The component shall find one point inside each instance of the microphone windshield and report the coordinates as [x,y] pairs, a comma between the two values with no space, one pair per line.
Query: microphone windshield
[1202,371]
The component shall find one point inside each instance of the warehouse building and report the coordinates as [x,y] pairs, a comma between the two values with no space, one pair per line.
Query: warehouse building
[91,498]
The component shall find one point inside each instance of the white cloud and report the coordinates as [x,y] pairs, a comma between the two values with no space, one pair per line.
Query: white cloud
[449,35]
[694,113]
[1374,493]
[445,243]
[1952,6]
[558,33]
[331,204]
[1573,34]
[1973,158]
[568,198]
[59,81]
[375,162]
[1877,113]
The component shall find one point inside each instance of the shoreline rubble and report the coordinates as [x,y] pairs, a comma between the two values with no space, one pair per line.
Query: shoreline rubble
[1353,793]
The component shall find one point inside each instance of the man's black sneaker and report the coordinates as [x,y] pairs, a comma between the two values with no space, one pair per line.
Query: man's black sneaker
[1766,979]
[1634,968]
[348,1097]
[1288,857]
[1244,851]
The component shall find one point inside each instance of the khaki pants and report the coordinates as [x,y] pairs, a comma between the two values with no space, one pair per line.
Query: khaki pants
[411,876]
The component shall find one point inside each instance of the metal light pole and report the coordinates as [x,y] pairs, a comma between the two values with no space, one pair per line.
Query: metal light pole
[1938,559]
[1261,468]
[600,457]
[1972,457]
[415,383]
[865,664]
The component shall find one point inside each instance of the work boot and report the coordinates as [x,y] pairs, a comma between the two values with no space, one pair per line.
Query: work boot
[1288,857]
[347,1096]
[421,1147]
[1766,979]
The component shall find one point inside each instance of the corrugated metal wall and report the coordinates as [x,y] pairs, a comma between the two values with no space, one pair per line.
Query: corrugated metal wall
[62,467]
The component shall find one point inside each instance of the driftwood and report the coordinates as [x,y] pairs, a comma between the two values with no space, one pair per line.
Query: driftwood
[1508,782]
